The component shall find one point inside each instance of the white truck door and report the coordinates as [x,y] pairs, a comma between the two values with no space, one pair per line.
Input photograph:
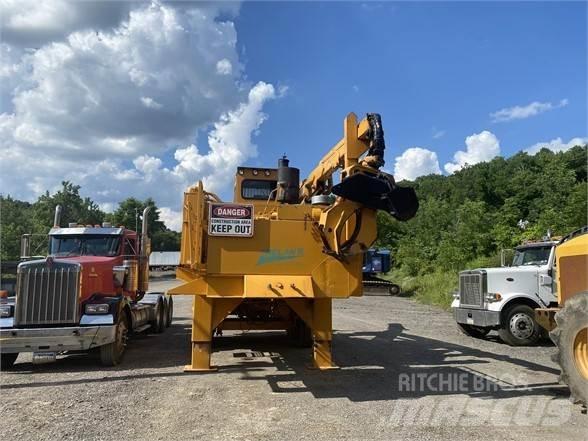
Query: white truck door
[546,280]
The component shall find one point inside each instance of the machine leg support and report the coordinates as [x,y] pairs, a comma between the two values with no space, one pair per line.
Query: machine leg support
[321,355]
[201,335]
[323,331]
[201,352]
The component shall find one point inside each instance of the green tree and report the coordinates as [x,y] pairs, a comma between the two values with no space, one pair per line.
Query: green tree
[15,220]
[75,208]
[165,241]
[467,217]
[130,212]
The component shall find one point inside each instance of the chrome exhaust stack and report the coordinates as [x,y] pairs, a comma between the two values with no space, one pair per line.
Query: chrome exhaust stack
[57,218]
[144,253]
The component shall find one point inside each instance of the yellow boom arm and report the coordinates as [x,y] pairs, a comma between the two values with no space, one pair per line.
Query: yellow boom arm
[343,155]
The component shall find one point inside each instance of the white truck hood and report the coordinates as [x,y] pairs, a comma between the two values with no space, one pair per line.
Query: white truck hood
[513,279]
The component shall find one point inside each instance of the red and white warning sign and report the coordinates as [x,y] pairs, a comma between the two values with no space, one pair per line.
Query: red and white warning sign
[230,220]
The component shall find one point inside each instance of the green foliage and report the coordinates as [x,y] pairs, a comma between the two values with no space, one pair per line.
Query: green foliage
[15,220]
[130,214]
[465,219]
[435,288]
[167,240]
[75,208]
[18,218]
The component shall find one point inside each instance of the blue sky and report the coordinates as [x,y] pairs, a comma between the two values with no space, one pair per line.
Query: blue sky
[143,99]
[427,68]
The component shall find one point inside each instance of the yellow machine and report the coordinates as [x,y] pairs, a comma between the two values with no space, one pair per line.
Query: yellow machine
[568,322]
[277,255]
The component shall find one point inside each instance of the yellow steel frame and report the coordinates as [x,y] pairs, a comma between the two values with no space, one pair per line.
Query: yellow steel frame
[326,270]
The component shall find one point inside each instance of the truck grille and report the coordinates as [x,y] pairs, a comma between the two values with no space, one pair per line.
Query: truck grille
[472,288]
[47,293]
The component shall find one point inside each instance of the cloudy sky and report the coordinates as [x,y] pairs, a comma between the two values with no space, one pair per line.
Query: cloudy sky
[143,99]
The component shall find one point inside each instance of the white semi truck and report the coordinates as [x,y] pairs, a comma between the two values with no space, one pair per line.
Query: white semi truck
[504,298]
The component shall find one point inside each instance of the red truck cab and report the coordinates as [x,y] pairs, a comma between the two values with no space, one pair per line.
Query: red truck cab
[89,292]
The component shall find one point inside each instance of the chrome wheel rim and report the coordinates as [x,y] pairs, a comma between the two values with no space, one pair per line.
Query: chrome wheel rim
[521,326]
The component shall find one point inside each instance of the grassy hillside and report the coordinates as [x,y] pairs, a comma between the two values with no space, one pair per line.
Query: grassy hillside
[465,219]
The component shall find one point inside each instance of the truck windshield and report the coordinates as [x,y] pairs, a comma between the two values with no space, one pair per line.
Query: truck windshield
[84,245]
[531,256]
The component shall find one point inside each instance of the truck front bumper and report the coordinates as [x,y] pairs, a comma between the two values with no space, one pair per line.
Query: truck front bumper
[477,317]
[79,338]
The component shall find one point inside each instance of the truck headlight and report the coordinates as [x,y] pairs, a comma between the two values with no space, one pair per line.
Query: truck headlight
[493,297]
[5,311]
[97,308]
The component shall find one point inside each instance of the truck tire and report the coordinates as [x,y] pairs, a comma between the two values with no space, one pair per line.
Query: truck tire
[170,313]
[7,360]
[158,324]
[112,353]
[473,331]
[300,334]
[571,338]
[519,327]
[394,290]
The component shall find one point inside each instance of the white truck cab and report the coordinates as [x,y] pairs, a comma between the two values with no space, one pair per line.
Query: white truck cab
[504,298]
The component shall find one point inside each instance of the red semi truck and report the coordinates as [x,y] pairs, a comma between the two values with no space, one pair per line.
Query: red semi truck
[90,292]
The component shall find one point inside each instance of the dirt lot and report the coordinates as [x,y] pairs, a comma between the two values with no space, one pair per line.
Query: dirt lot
[405,373]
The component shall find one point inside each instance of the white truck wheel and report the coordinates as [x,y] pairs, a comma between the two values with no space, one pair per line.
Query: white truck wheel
[519,327]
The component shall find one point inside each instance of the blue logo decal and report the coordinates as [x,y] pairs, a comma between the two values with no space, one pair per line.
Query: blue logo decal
[272,256]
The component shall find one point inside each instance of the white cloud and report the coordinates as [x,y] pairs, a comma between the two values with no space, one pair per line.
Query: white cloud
[150,103]
[480,147]
[522,112]
[438,134]
[102,104]
[556,145]
[172,219]
[415,162]
[224,67]
[31,23]
[229,145]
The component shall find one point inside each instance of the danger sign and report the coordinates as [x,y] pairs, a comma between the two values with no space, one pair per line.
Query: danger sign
[230,220]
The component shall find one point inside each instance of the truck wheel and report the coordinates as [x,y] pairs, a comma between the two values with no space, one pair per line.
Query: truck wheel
[519,327]
[300,334]
[112,353]
[394,290]
[473,331]
[158,324]
[571,338]
[7,360]
[170,312]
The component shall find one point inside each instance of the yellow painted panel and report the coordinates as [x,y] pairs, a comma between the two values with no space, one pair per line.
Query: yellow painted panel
[333,278]
[278,286]
[295,212]
[277,247]
[211,286]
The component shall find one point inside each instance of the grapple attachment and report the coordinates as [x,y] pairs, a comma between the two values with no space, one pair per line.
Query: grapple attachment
[380,192]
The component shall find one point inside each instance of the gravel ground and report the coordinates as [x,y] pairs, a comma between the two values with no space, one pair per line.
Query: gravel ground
[406,372]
